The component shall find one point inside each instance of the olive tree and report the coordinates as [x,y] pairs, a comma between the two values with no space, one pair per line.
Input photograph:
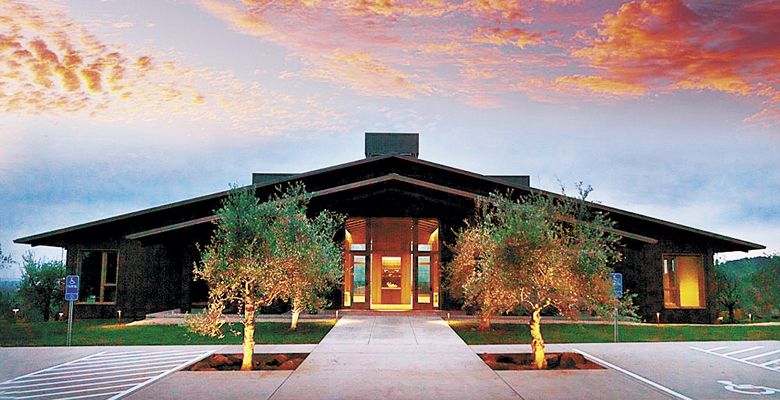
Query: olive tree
[242,265]
[257,255]
[315,259]
[535,253]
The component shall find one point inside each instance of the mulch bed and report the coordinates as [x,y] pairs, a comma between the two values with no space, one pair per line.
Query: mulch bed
[260,362]
[524,362]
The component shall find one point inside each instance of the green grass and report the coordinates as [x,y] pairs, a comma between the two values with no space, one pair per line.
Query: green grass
[109,333]
[591,333]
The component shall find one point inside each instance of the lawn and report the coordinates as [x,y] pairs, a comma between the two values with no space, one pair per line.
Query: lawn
[108,332]
[592,333]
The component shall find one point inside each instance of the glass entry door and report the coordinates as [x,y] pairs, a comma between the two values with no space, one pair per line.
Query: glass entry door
[391,282]
[391,263]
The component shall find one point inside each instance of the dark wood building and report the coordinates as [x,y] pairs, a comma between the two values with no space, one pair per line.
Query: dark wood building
[402,211]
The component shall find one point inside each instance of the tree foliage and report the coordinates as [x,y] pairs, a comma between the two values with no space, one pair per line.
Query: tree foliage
[253,256]
[727,290]
[315,265]
[766,290]
[41,287]
[534,253]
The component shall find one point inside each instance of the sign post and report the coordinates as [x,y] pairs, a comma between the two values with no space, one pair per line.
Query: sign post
[71,295]
[617,284]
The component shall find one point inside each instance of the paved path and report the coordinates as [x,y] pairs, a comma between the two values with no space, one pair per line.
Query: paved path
[393,357]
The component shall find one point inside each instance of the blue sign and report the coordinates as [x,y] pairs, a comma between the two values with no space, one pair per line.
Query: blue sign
[617,284]
[71,287]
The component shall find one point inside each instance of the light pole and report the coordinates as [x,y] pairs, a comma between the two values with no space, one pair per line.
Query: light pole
[16,313]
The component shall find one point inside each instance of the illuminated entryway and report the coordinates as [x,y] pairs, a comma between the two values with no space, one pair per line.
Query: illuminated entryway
[391,263]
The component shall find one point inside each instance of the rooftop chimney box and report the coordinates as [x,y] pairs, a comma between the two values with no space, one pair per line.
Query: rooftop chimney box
[381,143]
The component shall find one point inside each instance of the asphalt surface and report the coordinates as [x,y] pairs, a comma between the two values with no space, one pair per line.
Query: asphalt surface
[383,365]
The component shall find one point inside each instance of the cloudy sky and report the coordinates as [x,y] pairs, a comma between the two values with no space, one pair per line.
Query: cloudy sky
[669,108]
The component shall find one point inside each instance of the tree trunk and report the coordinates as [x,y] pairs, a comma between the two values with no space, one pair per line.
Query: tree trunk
[46,309]
[249,336]
[731,314]
[484,322]
[537,343]
[296,312]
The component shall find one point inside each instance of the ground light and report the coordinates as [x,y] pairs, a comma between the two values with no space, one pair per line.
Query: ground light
[16,313]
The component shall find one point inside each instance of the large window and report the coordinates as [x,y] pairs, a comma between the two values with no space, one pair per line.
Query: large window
[683,278]
[98,270]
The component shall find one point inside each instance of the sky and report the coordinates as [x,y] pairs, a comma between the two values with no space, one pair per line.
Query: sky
[667,108]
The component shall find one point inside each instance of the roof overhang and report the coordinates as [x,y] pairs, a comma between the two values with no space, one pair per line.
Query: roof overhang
[362,184]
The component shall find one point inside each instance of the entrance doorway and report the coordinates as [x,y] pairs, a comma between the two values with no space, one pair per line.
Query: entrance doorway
[391,264]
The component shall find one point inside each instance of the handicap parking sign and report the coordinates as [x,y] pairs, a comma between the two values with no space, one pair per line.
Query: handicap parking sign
[71,287]
[617,284]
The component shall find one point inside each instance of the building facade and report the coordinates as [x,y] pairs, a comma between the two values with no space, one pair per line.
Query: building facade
[402,212]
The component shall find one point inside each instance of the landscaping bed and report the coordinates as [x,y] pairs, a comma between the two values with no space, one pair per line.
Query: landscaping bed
[260,362]
[524,362]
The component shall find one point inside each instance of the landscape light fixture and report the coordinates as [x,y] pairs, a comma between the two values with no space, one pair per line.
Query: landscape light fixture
[658,318]
[60,315]
[16,312]
[119,315]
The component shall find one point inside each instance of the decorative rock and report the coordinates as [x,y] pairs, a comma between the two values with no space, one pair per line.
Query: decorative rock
[505,359]
[288,365]
[571,360]
[280,358]
[219,360]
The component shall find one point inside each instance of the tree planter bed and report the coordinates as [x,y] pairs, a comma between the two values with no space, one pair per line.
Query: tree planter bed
[524,362]
[260,362]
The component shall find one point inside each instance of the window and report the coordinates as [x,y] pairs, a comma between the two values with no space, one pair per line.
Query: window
[423,279]
[359,279]
[683,278]
[98,270]
[391,273]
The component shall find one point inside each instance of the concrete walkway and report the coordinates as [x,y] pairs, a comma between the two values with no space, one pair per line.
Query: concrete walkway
[393,357]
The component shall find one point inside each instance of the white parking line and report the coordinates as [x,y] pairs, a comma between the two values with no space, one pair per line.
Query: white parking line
[731,353]
[772,362]
[113,375]
[746,360]
[635,376]
[769,353]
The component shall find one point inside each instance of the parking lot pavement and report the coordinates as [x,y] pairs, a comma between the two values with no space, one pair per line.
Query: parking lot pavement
[102,375]
[677,370]
[759,356]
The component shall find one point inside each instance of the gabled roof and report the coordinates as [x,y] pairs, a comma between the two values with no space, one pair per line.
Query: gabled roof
[349,176]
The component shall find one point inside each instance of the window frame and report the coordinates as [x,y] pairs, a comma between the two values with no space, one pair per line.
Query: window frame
[103,273]
[702,282]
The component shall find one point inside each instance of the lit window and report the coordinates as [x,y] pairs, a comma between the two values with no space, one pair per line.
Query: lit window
[683,278]
[98,271]
[359,279]
[424,279]
[391,272]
